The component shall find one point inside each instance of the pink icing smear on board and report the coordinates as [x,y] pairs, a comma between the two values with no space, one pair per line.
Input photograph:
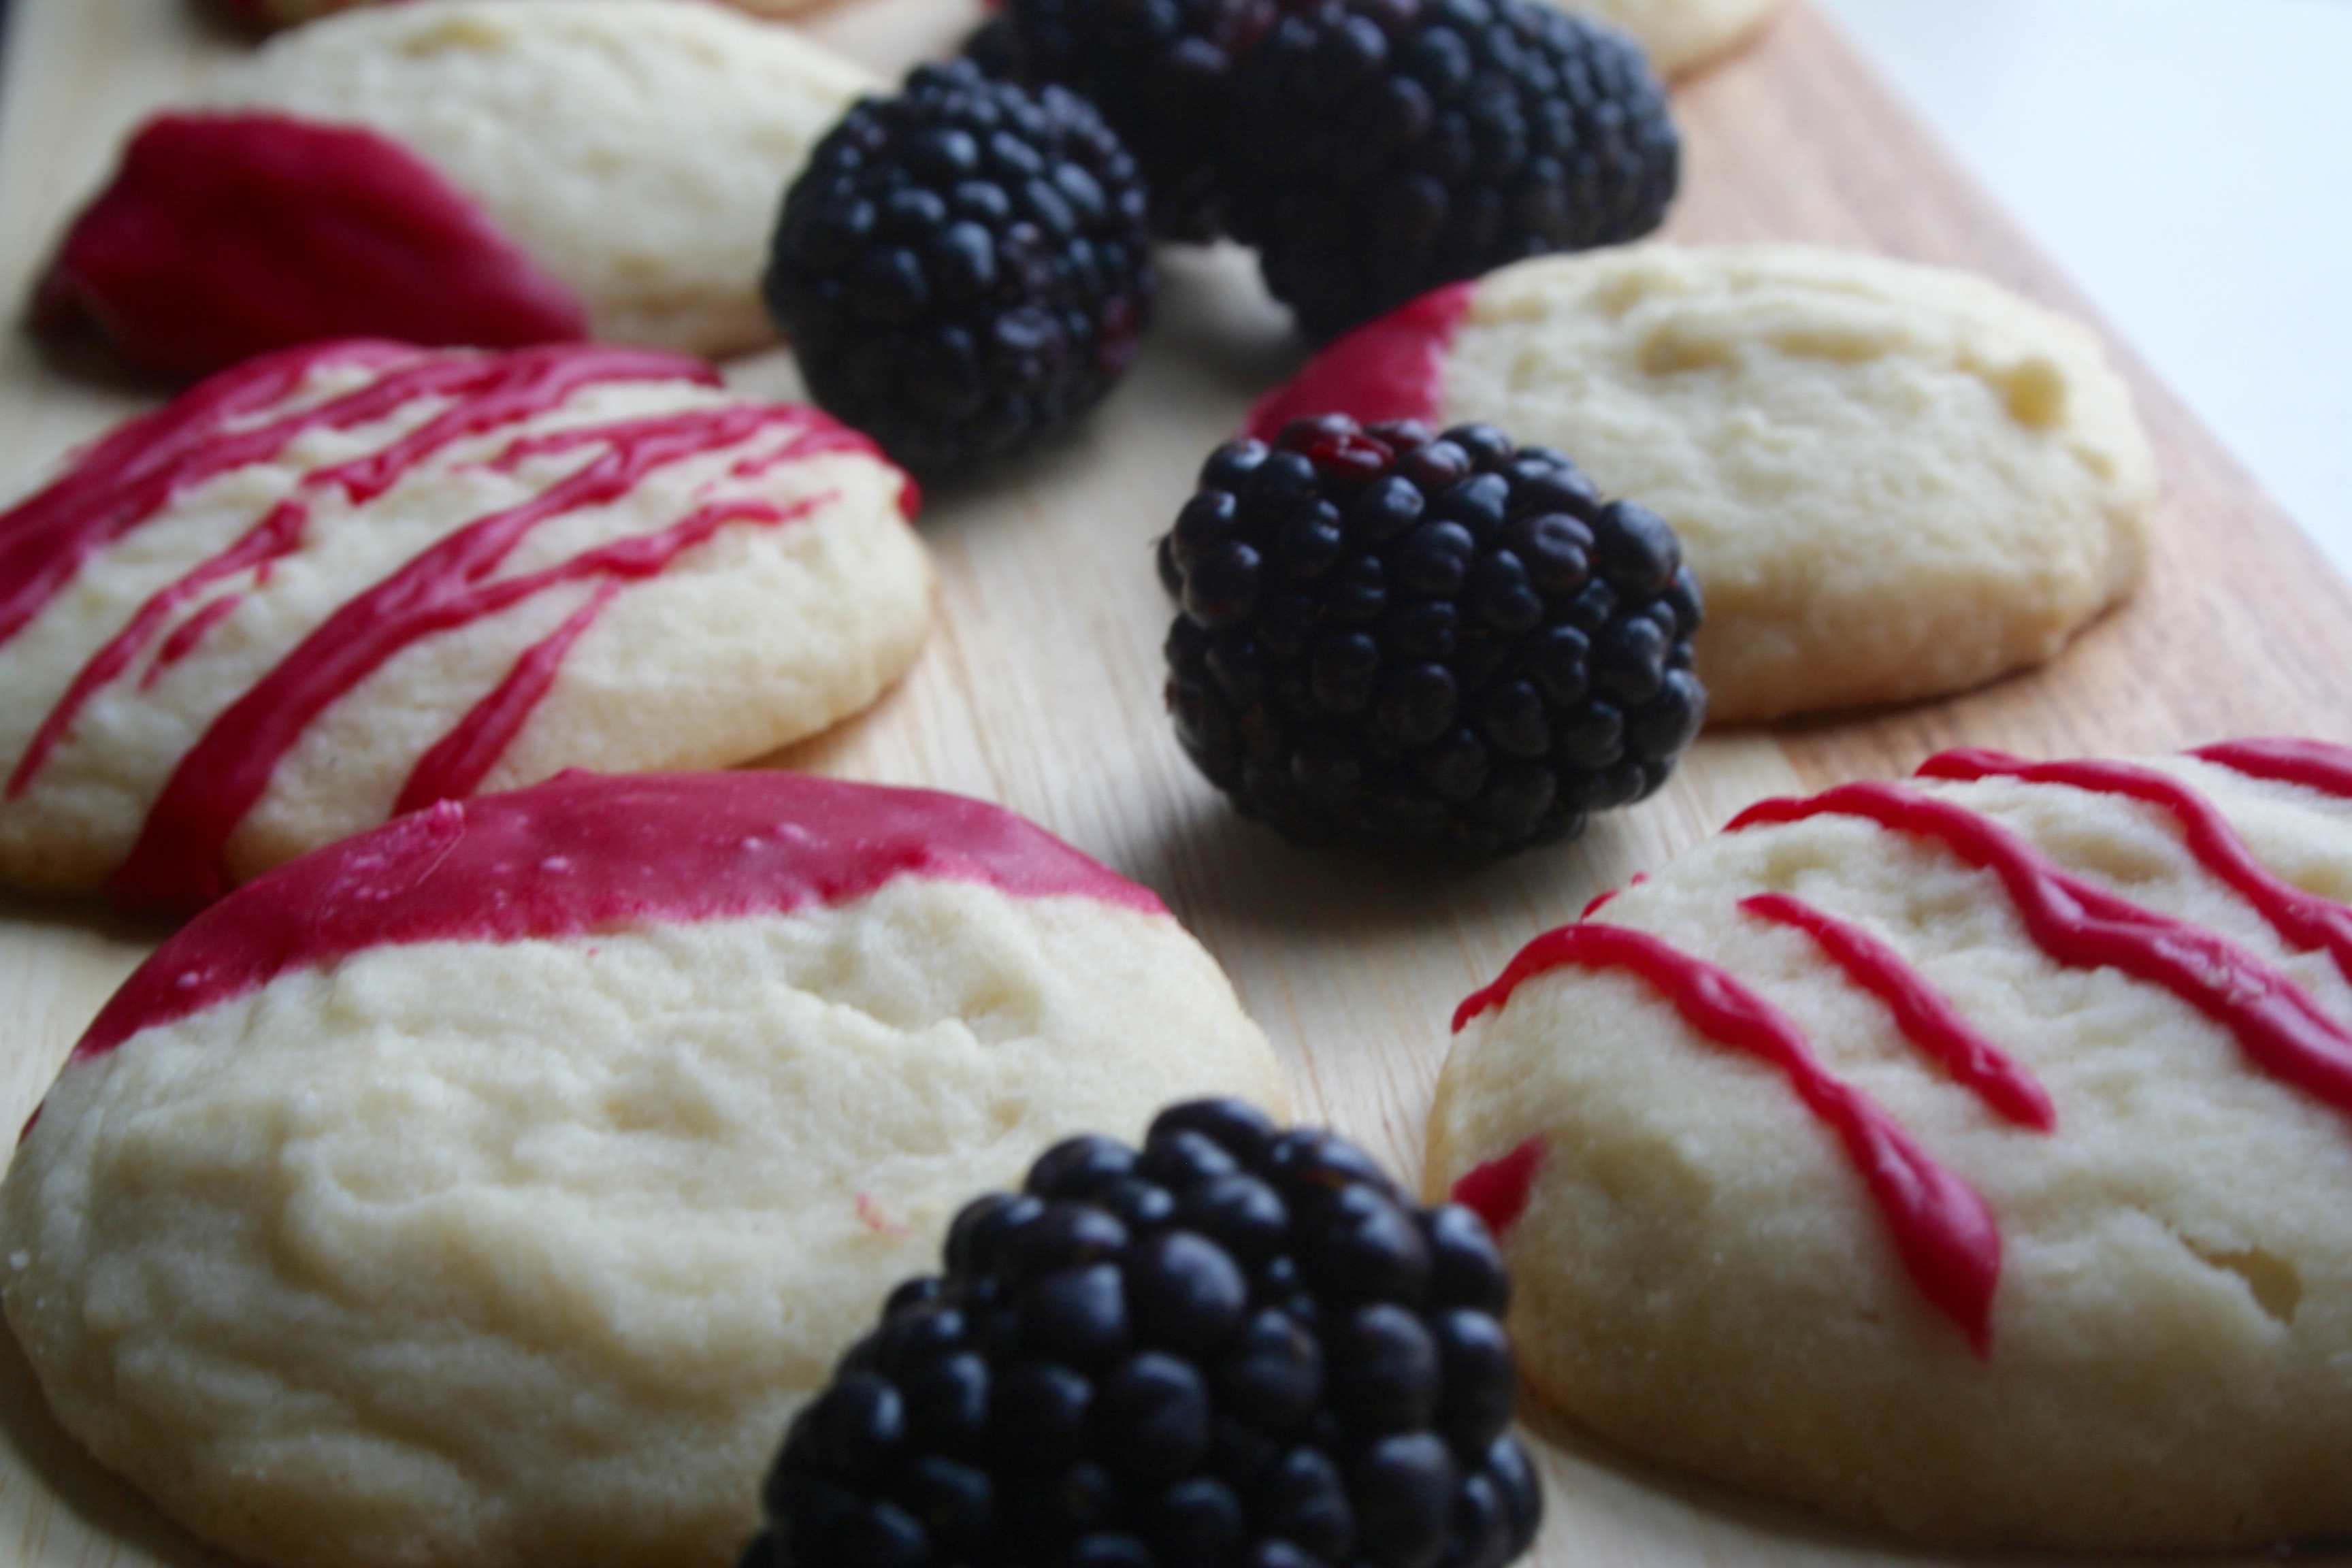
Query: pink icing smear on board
[588,852]
[225,236]
[1393,368]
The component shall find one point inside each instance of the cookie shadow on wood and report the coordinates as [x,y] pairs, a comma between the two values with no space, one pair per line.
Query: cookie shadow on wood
[110,1506]
[1586,1472]
[1210,860]
[1583,1468]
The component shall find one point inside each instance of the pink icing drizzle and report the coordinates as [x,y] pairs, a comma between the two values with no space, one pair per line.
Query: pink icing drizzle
[225,235]
[129,475]
[586,852]
[2304,921]
[127,479]
[2314,765]
[1942,1229]
[2280,1028]
[177,861]
[1922,1013]
[459,761]
[1392,368]
[1497,1190]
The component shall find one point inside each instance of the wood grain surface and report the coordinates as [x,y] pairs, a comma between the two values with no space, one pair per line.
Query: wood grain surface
[1040,688]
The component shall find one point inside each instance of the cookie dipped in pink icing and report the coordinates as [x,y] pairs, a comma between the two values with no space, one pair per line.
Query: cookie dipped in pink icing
[225,236]
[1893,481]
[446,173]
[502,1179]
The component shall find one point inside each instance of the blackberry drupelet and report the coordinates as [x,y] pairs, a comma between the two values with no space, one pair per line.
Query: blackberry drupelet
[1373,150]
[1156,70]
[1234,1348]
[964,268]
[1446,644]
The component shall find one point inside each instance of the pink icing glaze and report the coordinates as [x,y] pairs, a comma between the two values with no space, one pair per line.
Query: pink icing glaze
[1942,1229]
[586,852]
[1497,1190]
[225,235]
[1922,1013]
[2314,765]
[1392,368]
[2283,1032]
[2302,920]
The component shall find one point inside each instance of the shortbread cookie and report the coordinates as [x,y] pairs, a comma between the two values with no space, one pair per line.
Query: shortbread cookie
[354,579]
[1678,34]
[1893,481]
[488,1190]
[635,151]
[1966,1155]
[638,148]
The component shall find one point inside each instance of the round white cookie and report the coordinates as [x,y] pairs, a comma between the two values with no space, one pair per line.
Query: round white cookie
[639,150]
[2090,1286]
[489,1190]
[347,580]
[1893,481]
[1678,34]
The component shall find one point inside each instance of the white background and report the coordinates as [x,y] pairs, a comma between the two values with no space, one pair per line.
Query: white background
[2189,164]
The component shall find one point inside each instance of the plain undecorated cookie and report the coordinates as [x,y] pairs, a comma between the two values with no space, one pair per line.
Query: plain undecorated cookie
[352,579]
[1678,34]
[489,1190]
[2160,1354]
[1894,481]
[638,149]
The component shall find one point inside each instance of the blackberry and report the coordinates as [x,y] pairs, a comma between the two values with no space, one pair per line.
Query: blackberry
[1373,150]
[964,268]
[1156,68]
[995,50]
[1234,1348]
[1444,642]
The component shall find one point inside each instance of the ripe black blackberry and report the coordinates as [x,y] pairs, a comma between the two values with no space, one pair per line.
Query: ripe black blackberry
[1373,150]
[1235,1348]
[1156,68]
[1447,644]
[963,268]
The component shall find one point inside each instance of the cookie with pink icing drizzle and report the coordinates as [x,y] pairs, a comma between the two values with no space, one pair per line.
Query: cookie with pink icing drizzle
[353,579]
[1960,1154]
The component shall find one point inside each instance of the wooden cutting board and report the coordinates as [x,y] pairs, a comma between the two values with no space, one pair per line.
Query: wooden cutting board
[1040,686]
